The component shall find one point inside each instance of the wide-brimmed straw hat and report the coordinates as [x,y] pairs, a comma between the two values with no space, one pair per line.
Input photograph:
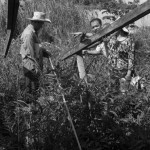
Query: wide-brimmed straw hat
[39,16]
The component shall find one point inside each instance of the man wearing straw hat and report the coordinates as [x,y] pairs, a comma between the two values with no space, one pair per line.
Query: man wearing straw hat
[32,52]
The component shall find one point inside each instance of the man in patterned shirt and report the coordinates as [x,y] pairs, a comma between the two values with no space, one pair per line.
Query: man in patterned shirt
[120,53]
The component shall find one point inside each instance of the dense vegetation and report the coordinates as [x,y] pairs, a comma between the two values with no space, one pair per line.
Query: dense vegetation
[102,121]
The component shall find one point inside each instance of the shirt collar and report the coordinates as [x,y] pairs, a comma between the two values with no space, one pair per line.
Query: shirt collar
[30,26]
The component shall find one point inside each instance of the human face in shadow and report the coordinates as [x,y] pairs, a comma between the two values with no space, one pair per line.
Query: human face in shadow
[38,25]
[96,26]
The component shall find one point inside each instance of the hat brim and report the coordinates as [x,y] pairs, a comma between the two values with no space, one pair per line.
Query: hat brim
[42,20]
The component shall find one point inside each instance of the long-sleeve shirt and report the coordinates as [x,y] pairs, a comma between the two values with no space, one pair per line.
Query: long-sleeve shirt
[29,47]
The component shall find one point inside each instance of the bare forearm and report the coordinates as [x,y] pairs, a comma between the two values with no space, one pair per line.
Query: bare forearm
[93,52]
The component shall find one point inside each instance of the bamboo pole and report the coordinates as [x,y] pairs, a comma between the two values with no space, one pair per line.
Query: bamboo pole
[64,101]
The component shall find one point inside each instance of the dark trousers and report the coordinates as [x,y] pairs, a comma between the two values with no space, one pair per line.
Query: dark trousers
[32,76]
[31,81]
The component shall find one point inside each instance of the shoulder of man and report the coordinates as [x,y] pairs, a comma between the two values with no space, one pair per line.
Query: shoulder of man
[29,34]
[28,31]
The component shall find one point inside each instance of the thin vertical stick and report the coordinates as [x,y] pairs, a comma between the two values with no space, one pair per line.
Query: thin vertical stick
[64,101]
[81,68]
[18,119]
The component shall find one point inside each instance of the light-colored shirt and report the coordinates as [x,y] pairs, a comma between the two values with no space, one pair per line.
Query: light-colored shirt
[29,42]
[29,47]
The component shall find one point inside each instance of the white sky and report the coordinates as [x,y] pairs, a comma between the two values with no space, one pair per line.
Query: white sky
[141,1]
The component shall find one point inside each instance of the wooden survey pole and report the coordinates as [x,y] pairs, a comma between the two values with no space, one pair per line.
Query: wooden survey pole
[64,101]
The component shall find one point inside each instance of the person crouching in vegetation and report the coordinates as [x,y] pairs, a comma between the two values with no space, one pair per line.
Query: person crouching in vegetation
[32,52]
[119,50]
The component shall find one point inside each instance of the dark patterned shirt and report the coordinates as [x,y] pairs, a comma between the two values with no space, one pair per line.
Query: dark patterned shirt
[121,53]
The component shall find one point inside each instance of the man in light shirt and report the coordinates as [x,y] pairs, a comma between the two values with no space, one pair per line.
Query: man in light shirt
[32,52]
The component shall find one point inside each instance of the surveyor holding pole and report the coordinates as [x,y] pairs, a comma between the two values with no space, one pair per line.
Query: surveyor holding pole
[32,52]
[119,50]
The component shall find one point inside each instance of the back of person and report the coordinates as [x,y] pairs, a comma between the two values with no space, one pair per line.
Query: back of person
[32,53]
[28,49]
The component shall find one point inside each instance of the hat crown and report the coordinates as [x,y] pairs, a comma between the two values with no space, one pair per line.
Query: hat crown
[39,15]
